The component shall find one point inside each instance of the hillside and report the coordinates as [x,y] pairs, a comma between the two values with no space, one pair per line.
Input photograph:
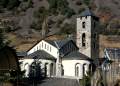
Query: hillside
[26,21]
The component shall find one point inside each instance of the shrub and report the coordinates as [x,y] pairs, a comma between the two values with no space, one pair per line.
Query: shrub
[70,12]
[36,26]
[115,2]
[25,0]
[3,3]
[30,3]
[40,13]
[87,2]
[59,22]
[81,10]
[86,81]
[78,3]
[60,7]
[67,29]
[12,4]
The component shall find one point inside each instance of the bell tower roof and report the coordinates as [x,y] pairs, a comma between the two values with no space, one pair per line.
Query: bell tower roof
[87,12]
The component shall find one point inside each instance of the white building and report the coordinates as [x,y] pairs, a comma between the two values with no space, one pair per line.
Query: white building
[62,58]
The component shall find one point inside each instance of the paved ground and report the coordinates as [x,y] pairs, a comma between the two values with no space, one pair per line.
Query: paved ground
[45,82]
[59,82]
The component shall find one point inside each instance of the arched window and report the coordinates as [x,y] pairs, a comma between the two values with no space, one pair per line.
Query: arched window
[77,67]
[45,46]
[50,49]
[77,71]
[83,40]
[83,24]
[85,69]
[37,48]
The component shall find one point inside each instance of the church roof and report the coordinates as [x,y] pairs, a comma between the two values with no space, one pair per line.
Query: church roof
[114,53]
[21,54]
[58,43]
[87,12]
[76,55]
[41,54]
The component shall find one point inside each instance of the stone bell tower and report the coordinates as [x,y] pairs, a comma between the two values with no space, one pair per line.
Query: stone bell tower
[87,33]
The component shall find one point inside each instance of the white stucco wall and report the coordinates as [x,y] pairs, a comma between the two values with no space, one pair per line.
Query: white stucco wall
[54,51]
[49,49]
[25,65]
[69,67]
[27,62]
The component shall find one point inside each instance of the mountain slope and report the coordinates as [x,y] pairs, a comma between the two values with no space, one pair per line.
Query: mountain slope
[32,18]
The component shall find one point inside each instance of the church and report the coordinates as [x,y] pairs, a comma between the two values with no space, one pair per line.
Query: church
[66,58]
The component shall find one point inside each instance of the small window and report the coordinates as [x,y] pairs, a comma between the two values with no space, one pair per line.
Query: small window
[83,24]
[37,48]
[77,71]
[45,46]
[42,44]
[50,49]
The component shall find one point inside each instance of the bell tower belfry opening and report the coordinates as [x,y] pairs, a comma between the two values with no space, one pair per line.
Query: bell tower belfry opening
[86,38]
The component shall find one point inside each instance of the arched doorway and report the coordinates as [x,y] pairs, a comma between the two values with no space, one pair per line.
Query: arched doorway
[51,69]
[46,72]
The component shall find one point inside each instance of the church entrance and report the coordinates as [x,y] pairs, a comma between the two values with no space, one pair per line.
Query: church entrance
[51,69]
[46,70]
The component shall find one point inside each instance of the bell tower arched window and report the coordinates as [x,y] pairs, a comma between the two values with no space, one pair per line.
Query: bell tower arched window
[83,24]
[83,40]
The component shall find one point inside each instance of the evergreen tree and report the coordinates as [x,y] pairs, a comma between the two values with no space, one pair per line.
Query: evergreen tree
[3,41]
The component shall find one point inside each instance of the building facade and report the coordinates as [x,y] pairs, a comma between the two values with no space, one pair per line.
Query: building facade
[57,58]
[8,60]
[65,58]
[111,66]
